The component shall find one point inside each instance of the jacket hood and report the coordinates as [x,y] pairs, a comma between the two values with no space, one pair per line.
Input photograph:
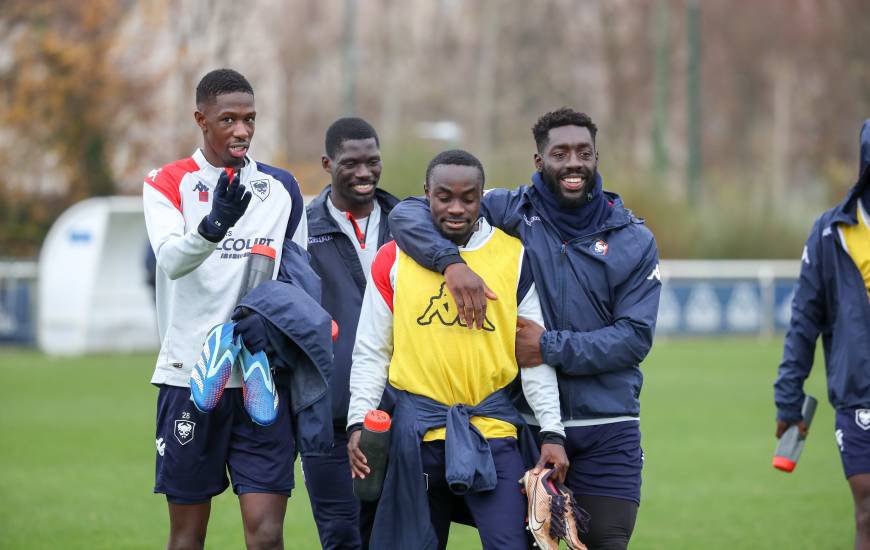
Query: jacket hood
[846,211]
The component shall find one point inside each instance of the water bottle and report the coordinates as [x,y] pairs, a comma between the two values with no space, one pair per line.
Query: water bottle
[792,442]
[261,266]
[374,442]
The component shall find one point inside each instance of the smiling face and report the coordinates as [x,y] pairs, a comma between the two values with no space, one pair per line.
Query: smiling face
[227,125]
[454,193]
[568,164]
[355,171]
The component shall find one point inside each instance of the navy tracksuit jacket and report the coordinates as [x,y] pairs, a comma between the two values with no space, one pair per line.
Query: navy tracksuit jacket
[299,331]
[335,260]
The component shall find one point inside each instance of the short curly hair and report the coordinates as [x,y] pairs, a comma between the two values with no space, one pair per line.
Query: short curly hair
[558,118]
[219,82]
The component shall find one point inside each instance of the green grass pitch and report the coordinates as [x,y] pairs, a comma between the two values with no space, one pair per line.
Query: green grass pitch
[77,458]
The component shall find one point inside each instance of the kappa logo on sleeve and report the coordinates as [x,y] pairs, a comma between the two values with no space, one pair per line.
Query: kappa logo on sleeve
[440,307]
[202,190]
[656,274]
[152,175]
[805,256]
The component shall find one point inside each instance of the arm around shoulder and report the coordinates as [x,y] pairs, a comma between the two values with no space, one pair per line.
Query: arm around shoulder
[412,226]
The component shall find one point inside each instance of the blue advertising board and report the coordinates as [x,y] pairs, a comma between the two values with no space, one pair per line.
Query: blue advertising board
[724,306]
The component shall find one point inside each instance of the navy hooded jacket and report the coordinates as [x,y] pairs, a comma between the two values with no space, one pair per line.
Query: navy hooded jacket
[300,333]
[599,293]
[335,260]
[830,299]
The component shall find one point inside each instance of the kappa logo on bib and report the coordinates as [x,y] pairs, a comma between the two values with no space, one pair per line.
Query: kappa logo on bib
[260,188]
[862,418]
[440,308]
[184,430]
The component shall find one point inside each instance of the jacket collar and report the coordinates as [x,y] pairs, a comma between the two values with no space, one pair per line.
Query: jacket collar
[619,215]
[212,173]
[321,222]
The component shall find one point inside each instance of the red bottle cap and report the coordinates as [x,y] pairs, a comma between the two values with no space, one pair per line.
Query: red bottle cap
[377,421]
[334,330]
[263,250]
[784,464]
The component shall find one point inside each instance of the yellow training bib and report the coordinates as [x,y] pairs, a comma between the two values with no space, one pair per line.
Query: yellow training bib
[437,356]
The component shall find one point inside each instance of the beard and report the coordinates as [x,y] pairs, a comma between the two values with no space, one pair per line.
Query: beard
[551,180]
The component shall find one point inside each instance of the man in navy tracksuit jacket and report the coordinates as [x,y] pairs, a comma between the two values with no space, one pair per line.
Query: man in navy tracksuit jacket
[596,269]
[347,223]
[831,299]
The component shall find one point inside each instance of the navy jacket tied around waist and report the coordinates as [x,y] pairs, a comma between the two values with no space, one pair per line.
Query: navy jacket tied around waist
[402,519]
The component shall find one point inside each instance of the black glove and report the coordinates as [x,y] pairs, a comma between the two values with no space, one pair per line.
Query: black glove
[228,205]
[252,327]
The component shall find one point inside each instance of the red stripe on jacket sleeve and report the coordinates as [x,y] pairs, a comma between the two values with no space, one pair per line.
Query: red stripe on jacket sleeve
[381,268]
[168,179]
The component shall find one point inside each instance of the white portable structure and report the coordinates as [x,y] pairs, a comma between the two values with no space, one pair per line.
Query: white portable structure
[92,290]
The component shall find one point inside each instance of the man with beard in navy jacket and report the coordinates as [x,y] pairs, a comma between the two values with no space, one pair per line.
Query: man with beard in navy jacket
[596,267]
[832,298]
[347,223]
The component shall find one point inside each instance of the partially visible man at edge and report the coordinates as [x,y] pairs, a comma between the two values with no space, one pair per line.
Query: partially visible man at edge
[347,223]
[596,269]
[832,298]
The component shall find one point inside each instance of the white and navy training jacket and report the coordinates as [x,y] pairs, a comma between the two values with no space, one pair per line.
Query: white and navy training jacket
[198,281]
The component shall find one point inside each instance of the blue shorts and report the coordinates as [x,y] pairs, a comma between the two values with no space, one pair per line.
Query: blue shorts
[194,449]
[606,460]
[852,431]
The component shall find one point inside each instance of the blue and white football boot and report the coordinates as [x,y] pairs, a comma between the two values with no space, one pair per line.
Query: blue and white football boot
[212,370]
[259,394]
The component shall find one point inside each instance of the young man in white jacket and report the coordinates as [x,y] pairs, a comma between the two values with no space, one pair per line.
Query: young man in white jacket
[203,214]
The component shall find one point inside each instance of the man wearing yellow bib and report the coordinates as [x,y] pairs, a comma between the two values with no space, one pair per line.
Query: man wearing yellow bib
[456,435]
